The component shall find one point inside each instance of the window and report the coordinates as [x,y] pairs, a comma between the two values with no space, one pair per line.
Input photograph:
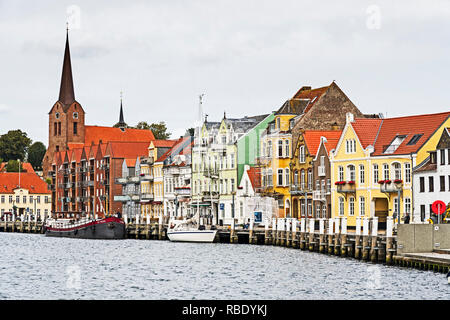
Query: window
[385,171]
[407,205]
[10,198]
[296,177]
[270,180]
[407,172]
[350,146]
[232,185]
[309,209]
[317,210]
[442,183]
[75,115]
[280,148]
[351,206]
[324,211]
[396,206]
[286,147]
[362,206]
[278,123]
[376,177]
[269,148]
[351,172]
[361,174]
[75,128]
[414,139]
[448,156]
[3,199]
[280,177]
[301,154]
[302,207]
[341,173]
[310,179]
[341,206]
[422,184]
[264,150]
[55,128]
[17,199]
[442,152]
[328,185]
[397,171]
[395,144]
[24,200]
[59,128]
[430,184]
[287,178]
[38,199]
[302,179]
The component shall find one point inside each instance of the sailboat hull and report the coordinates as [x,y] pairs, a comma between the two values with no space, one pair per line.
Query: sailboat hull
[192,236]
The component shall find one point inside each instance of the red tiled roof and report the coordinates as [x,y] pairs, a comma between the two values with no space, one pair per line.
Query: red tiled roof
[425,124]
[176,144]
[106,134]
[127,150]
[312,139]
[366,130]
[25,165]
[10,181]
[254,175]
[130,162]
[164,143]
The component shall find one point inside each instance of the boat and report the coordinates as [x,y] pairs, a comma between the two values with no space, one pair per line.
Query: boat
[188,231]
[107,228]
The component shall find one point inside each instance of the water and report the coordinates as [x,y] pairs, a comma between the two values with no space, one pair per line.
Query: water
[37,267]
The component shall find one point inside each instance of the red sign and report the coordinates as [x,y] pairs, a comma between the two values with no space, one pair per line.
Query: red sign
[438,207]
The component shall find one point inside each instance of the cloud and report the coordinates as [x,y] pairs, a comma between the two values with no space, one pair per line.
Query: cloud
[4,108]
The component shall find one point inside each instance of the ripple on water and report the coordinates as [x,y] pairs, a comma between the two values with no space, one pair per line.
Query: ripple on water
[36,267]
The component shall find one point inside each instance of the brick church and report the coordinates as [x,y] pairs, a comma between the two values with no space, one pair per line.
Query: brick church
[82,160]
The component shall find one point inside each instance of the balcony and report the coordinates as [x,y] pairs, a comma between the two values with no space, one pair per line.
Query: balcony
[135,197]
[122,198]
[133,179]
[68,185]
[183,191]
[121,180]
[146,177]
[88,183]
[297,190]
[388,186]
[210,196]
[319,195]
[346,187]
[321,171]
[147,197]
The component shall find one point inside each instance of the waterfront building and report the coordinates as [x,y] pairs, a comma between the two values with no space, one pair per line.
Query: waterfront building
[177,179]
[215,167]
[431,179]
[131,190]
[24,193]
[371,167]
[75,152]
[152,181]
[310,188]
[249,202]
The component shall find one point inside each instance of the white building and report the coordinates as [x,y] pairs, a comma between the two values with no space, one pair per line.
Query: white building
[432,179]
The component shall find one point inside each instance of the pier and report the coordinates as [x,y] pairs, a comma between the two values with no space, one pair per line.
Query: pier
[364,242]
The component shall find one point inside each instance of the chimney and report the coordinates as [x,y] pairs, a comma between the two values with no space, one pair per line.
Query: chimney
[349,117]
[335,126]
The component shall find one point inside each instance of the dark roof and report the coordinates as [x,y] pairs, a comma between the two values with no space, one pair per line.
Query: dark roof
[66,91]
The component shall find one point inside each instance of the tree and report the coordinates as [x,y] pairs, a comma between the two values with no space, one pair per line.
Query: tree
[190,131]
[117,125]
[14,145]
[143,125]
[160,131]
[13,166]
[36,153]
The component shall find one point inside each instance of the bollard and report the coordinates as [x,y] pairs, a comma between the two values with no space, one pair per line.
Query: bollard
[311,234]
[160,227]
[282,231]
[365,240]
[330,235]
[266,231]
[358,238]
[321,235]
[274,231]
[294,233]
[344,245]
[302,233]
[288,232]
[389,240]
[250,234]
[336,237]
[373,247]
[233,236]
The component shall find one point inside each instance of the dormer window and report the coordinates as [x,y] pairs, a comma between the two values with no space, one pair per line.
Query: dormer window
[433,157]
[414,139]
[395,144]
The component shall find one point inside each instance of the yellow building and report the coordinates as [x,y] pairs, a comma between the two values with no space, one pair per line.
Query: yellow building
[371,167]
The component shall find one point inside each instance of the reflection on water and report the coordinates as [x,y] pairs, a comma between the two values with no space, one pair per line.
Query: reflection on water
[36,267]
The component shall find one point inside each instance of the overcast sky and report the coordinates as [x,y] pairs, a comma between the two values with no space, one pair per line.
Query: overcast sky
[248,57]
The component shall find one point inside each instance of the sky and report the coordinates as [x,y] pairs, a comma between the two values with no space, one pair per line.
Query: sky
[248,57]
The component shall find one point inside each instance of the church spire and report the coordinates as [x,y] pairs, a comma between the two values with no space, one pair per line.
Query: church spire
[66,92]
[122,123]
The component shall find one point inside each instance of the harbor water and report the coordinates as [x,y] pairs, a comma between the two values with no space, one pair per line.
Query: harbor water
[36,267]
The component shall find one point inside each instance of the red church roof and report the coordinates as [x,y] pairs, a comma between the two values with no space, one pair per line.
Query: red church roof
[94,134]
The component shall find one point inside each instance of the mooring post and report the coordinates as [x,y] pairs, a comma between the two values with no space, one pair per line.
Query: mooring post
[336,237]
[321,235]
[358,238]
[330,235]
[160,227]
[302,233]
[294,241]
[311,234]
[282,231]
[232,231]
[250,234]
[389,240]
[344,246]
[273,232]
[374,238]
[266,231]
[288,232]
[365,241]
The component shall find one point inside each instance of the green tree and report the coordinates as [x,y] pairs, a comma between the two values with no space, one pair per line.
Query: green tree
[14,145]
[36,153]
[160,130]
[190,132]
[13,166]
[117,125]
[143,125]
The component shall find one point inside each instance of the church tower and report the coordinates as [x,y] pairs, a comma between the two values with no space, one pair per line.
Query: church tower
[66,118]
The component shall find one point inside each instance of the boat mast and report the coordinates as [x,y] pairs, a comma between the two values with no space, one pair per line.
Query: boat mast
[200,118]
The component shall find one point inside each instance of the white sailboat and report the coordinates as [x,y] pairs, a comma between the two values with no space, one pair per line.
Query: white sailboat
[190,230]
